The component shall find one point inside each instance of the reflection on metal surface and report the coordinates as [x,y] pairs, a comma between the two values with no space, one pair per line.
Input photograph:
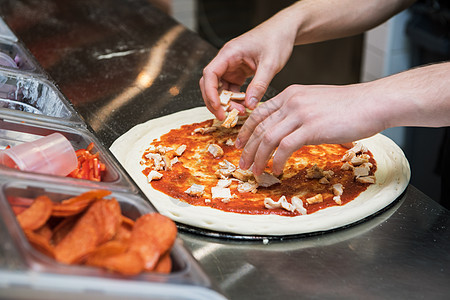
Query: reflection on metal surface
[237,275]
[205,250]
[145,78]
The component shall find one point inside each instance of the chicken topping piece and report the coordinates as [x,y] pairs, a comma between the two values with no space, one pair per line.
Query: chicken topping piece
[249,186]
[180,150]
[215,150]
[366,179]
[338,190]
[158,162]
[225,97]
[244,175]
[229,142]
[360,159]
[266,180]
[154,175]
[362,170]
[270,204]
[231,119]
[225,170]
[314,172]
[195,190]
[224,183]
[203,130]
[316,199]
[298,204]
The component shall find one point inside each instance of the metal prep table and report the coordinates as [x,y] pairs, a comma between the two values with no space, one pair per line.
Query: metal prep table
[121,63]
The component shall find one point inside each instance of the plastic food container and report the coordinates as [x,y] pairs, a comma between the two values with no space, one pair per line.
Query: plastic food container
[41,276]
[5,32]
[15,131]
[34,98]
[14,56]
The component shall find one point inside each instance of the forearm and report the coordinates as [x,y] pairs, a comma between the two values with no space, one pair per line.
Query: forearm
[418,97]
[320,20]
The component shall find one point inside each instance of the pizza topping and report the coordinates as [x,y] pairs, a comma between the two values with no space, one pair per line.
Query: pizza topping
[314,172]
[225,97]
[360,159]
[195,190]
[204,130]
[174,160]
[225,170]
[338,190]
[215,150]
[167,163]
[359,148]
[346,167]
[298,204]
[231,119]
[362,170]
[316,199]
[220,192]
[158,162]
[244,175]
[249,186]
[163,150]
[366,179]
[154,175]
[270,204]
[266,180]
[224,183]
[348,156]
[229,142]
[180,150]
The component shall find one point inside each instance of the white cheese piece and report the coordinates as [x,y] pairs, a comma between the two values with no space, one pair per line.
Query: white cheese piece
[220,192]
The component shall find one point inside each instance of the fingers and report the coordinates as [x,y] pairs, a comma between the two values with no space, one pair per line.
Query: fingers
[209,85]
[258,86]
[286,147]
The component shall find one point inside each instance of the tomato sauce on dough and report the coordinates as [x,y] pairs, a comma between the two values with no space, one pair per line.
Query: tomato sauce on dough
[198,166]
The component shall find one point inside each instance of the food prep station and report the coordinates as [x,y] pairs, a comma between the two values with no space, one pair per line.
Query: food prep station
[91,70]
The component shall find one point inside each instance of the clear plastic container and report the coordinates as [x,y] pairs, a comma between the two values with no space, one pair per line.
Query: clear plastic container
[14,56]
[15,131]
[44,276]
[34,97]
[52,154]
[6,33]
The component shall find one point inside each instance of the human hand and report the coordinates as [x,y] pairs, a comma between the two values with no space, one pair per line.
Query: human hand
[261,52]
[306,115]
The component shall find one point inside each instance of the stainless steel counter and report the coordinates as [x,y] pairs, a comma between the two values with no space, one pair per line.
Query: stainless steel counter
[121,63]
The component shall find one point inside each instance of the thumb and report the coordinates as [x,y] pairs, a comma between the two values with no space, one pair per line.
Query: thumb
[258,86]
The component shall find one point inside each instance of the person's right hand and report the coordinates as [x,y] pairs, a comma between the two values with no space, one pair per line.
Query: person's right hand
[261,52]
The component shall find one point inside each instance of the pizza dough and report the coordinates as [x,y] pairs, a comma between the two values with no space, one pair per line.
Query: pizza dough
[392,175]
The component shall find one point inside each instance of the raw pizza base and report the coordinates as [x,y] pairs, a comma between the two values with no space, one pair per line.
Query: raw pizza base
[392,176]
